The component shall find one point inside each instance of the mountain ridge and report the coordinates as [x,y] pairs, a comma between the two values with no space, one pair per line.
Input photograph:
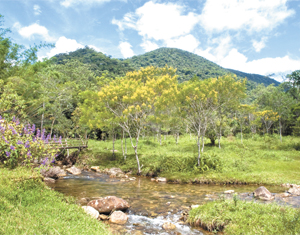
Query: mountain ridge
[188,64]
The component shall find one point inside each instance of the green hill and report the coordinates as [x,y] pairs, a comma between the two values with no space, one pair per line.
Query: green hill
[187,64]
[255,77]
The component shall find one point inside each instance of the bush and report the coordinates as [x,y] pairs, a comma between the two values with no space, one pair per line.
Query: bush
[23,144]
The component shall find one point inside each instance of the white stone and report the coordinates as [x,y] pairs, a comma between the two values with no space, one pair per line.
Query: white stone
[91,211]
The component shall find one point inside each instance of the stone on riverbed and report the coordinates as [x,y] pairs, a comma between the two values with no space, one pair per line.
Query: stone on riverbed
[161,179]
[169,226]
[118,217]
[91,211]
[74,170]
[294,191]
[95,168]
[49,180]
[229,191]
[53,172]
[108,204]
[263,194]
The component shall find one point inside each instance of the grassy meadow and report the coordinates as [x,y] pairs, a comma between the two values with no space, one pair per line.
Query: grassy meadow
[28,206]
[259,160]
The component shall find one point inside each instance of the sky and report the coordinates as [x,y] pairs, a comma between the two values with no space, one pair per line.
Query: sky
[253,36]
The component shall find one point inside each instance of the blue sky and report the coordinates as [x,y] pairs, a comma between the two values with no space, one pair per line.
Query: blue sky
[254,36]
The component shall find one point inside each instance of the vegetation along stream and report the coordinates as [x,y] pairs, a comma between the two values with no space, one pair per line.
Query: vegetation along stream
[151,203]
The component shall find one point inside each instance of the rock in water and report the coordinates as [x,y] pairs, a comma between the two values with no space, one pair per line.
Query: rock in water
[263,194]
[294,191]
[118,217]
[114,171]
[74,170]
[169,226]
[95,168]
[229,191]
[53,172]
[161,179]
[91,211]
[49,180]
[107,204]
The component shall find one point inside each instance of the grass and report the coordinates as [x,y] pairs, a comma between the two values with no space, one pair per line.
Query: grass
[259,160]
[27,206]
[241,217]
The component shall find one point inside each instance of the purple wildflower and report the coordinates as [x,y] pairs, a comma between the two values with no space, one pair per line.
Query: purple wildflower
[27,145]
[29,153]
[19,142]
[45,160]
[14,119]
[17,122]
[38,132]
[7,153]
[59,141]
[12,147]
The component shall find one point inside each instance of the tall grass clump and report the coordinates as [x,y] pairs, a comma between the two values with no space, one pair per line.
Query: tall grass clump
[241,217]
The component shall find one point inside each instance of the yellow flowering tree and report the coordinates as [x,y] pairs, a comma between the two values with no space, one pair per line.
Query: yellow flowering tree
[133,100]
[268,117]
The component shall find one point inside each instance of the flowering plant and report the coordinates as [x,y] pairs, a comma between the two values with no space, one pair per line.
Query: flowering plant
[24,144]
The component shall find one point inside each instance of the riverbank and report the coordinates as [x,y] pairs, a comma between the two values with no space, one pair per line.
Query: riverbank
[28,206]
[241,217]
[259,160]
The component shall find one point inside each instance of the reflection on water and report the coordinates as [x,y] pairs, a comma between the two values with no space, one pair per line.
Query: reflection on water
[153,203]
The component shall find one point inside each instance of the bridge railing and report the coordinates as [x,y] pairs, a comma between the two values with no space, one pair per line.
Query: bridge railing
[69,143]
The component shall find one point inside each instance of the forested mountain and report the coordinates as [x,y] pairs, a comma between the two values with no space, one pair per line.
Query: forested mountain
[98,61]
[187,64]
[255,77]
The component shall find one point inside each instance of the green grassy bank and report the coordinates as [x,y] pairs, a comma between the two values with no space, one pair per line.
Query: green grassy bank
[27,206]
[241,217]
[259,160]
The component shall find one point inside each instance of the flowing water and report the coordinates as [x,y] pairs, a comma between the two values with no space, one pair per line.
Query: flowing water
[152,203]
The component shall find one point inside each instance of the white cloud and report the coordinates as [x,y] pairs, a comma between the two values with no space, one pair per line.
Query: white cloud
[64,45]
[69,3]
[259,45]
[149,46]
[37,10]
[125,49]
[32,30]
[251,15]
[188,43]
[159,21]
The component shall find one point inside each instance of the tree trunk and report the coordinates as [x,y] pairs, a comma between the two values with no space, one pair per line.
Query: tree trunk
[113,145]
[123,146]
[199,150]
[42,121]
[241,134]
[52,127]
[280,130]
[219,137]
[177,137]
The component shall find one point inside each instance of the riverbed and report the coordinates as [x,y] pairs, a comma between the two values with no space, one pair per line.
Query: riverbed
[152,203]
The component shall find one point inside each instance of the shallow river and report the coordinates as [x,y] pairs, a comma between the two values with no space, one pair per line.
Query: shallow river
[152,203]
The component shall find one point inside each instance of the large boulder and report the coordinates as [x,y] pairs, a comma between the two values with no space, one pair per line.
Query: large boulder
[263,194]
[53,172]
[118,217]
[91,211]
[74,170]
[108,204]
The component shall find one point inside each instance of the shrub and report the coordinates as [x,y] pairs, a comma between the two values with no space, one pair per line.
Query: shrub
[23,144]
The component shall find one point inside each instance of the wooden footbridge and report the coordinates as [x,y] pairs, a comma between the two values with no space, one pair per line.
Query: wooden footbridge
[69,143]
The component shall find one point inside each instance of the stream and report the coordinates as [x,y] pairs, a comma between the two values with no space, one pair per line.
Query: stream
[151,203]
